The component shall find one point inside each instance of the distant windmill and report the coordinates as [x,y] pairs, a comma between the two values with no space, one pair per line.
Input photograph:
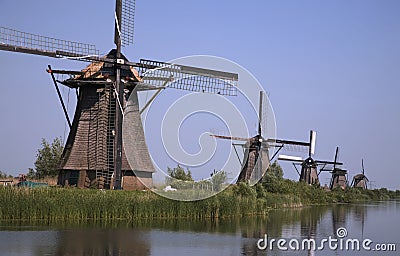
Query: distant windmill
[309,167]
[94,154]
[360,180]
[256,158]
[308,172]
[339,176]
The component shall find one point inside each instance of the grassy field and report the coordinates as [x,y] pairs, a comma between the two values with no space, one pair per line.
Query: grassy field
[71,204]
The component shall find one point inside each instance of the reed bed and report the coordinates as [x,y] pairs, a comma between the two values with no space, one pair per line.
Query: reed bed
[52,204]
[61,204]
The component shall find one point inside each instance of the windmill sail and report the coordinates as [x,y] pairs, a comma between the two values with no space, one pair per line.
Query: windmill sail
[127,22]
[159,74]
[18,41]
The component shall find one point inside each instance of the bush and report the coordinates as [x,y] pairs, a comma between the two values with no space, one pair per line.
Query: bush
[48,158]
[244,190]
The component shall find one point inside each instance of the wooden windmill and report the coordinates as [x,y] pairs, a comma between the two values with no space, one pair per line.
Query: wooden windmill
[360,180]
[339,176]
[256,158]
[107,93]
[309,167]
[308,171]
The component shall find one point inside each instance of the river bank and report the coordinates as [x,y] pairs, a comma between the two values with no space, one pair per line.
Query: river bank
[71,204]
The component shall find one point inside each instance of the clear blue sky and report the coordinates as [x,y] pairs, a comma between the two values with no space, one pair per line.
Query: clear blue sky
[332,66]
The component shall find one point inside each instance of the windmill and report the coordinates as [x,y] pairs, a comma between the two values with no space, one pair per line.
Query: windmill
[256,159]
[360,180]
[308,172]
[309,167]
[339,176]
[256,156]
[107,93]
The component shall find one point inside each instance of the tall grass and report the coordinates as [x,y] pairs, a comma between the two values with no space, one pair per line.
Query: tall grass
[58,204]
[63,204]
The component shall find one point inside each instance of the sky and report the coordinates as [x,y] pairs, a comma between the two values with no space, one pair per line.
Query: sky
[330,66]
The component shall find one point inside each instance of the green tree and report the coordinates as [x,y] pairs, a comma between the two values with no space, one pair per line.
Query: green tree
[31,174]
[178,173]
[273,178]
[4,175]
[217,179]
[275,170]
[48,158]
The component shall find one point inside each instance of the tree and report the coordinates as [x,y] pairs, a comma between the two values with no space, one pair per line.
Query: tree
[275,170]
[180,174]
[4,175]
[217,179]
[48,158]
[273,178]
[31,174]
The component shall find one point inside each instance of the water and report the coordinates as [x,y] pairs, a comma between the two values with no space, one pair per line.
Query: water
[376,221]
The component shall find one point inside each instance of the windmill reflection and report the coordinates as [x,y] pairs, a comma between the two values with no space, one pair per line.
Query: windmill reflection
[296,223]
[116,242]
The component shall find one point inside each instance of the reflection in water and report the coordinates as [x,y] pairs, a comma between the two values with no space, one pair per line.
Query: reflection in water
[102,242]
[203,237]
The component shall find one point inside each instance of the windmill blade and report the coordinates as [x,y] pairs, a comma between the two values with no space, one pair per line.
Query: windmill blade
[264,130]
[127,22]
[336,156]
[328,162]
[229,137]
[313,137]
[260,113]
[290,158]
[188,78]
[18,41]
[362,165]
[289,142]
[124,22]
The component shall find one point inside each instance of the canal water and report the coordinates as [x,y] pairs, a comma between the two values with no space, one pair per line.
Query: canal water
[373,226]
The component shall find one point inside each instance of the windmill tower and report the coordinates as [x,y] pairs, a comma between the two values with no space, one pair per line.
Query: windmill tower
[360,180]
[107,93]
[339,176]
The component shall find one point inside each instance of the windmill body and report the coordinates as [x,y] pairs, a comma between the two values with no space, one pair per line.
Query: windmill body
[88,157]
[339,176]
[256,161]
[360,180]
[338,179]
[309,172]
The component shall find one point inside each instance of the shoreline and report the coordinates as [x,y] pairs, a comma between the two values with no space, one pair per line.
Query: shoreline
[71,204]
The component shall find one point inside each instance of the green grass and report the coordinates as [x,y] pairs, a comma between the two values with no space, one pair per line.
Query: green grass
[62,204]
[55,204]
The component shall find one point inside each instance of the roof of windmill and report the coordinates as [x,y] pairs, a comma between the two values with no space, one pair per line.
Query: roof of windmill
[101,70]
[359,176]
